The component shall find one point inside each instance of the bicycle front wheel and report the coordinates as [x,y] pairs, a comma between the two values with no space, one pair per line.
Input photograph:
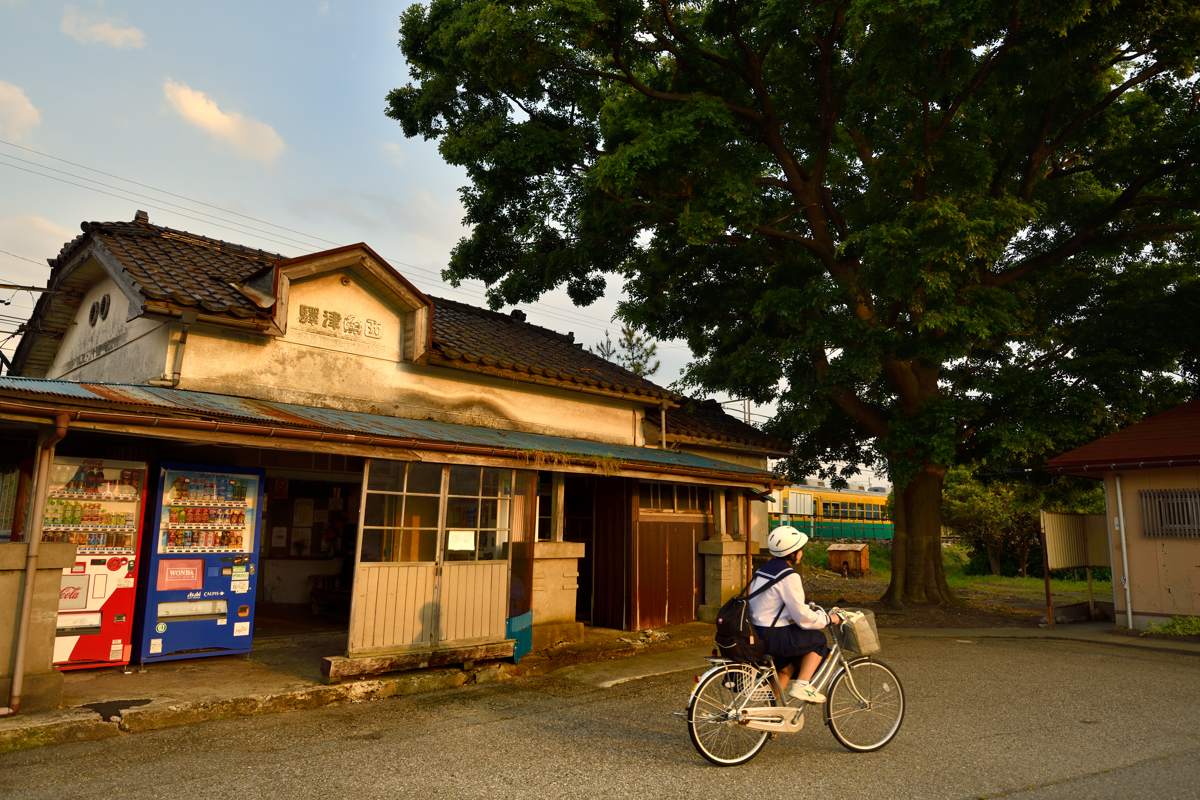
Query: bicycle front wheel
[712,714]
[865,706]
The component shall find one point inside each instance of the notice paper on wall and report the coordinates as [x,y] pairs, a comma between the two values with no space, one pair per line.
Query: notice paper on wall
[460,540]
[302,512]
[279,536]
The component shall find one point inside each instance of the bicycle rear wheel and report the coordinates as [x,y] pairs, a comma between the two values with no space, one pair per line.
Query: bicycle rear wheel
[865,716]
[712,716]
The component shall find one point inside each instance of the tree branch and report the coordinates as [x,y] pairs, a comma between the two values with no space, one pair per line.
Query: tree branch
[872,419]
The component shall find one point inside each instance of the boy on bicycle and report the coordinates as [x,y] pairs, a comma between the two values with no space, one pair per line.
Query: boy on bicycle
[791,629]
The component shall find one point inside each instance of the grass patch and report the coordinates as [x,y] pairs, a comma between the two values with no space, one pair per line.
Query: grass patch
[1177,626]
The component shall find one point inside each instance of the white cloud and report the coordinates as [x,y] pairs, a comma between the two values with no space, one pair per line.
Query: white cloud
[89,30]
[18,116]
[323,8]
[248,137]
[394,152]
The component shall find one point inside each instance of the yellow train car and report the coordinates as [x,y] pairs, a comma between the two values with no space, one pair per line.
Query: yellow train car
[825,513]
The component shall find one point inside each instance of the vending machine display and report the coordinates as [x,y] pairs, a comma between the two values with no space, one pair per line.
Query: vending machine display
[202,564]
[96,505]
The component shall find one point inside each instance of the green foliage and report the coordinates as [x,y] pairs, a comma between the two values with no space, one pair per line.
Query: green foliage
[932,233]
[999,519]
[633,351]
[1177,626]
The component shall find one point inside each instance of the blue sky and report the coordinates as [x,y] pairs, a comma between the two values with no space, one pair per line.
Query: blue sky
[267,109]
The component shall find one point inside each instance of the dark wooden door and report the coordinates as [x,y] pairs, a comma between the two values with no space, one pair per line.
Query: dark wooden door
[610,559]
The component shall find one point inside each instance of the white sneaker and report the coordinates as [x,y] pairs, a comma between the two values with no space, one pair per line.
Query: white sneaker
[803,690]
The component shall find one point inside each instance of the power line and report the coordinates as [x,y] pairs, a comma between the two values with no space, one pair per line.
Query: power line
[570,316]
[25,258]
[164,191]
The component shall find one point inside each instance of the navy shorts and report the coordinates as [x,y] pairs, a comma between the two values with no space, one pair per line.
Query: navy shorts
[787,644]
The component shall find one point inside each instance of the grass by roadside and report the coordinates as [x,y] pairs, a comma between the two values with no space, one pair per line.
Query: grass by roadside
[985,600]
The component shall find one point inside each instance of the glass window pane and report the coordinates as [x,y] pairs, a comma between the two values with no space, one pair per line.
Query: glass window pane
[462,512]
[497,482]
[461,544]
[488,513]
[383,510]
[420,512]
[644,498]
[464,481]
[393,544]
[424,478]
[493,545]
[387,476]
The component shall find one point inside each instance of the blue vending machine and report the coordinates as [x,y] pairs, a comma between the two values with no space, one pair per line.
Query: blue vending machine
[202,563]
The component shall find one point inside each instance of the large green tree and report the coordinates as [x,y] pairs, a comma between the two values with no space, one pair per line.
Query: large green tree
[931,232]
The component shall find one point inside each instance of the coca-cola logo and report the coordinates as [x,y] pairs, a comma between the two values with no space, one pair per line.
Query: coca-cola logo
[72,592]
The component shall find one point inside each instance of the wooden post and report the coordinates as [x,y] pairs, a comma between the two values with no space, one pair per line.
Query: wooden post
[1091,599]
[557,498]
[1046,577]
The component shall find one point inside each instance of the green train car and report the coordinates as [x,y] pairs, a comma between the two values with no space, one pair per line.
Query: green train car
[825,513]
[823,528]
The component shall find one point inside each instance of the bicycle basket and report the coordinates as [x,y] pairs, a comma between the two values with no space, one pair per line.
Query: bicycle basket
[859,634]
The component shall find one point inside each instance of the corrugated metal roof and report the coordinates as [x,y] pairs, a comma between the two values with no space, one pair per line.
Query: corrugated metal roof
[1172,436]
[263,412]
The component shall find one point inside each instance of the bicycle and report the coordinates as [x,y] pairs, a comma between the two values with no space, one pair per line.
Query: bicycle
[736,707]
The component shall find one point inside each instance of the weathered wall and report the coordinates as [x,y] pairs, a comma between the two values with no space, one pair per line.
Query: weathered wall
[317,364]
[112,350]
[43,685]
[1164,572]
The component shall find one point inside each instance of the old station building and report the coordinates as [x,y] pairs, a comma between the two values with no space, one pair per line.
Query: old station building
[438,481]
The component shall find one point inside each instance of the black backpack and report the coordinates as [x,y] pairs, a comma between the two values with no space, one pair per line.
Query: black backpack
[736,638]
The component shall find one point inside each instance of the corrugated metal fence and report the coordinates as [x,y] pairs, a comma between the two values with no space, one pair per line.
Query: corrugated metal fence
[1075,540]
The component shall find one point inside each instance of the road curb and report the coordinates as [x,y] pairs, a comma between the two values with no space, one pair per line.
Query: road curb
[77,725]
[60,727]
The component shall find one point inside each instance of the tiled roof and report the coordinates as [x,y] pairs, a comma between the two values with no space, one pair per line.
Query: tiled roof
[189,271]
[177,267]
[475,338]
[707,420]
[1172,437]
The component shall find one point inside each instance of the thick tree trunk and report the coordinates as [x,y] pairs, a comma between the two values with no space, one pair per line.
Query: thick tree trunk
[918,576]
[992,548]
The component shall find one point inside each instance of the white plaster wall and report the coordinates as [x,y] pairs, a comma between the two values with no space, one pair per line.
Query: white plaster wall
[114,350]
[742,459]
[318,365]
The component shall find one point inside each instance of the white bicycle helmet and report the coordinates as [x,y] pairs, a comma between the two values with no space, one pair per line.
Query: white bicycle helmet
[785,540]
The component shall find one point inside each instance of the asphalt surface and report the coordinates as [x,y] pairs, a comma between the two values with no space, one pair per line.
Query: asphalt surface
[986,718]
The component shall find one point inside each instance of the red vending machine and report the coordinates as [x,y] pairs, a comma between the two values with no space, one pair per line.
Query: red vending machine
[96,504]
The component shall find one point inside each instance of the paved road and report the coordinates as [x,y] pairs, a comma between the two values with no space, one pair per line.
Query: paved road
[987,718]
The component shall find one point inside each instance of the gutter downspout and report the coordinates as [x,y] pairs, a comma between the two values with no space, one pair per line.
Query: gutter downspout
[36,512]
[662,427]
[186,319]
[1124,556]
